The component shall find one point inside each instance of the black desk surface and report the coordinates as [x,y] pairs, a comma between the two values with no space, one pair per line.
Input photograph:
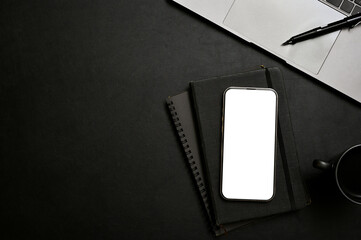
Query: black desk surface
[88,150]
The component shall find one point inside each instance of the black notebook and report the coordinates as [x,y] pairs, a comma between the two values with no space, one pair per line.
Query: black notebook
[206,100]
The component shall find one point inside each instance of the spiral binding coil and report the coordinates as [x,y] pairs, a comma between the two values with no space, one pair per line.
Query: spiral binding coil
[189,155]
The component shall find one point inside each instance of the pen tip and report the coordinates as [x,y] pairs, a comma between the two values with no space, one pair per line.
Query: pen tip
[287,42]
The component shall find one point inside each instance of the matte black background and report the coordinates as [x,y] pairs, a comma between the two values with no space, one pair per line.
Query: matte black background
[88,150]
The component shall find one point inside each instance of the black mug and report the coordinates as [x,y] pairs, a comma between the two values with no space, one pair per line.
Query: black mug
[347,169]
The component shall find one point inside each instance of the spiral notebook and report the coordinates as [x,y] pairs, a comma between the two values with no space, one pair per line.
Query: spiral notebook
[180,107]
[197,117]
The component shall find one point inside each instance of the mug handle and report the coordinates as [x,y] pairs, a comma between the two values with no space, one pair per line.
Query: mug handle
[320,164]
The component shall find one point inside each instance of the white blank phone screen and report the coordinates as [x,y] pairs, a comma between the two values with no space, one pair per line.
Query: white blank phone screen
[249,137]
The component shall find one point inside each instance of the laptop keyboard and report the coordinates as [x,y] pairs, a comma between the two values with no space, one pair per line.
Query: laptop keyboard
[347,7]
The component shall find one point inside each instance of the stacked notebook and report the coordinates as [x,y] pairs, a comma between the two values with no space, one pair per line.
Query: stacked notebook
[197,115]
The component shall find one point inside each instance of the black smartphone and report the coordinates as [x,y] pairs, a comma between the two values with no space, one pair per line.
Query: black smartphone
[249,127]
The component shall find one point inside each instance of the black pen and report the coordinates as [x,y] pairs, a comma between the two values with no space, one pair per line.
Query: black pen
[350,22]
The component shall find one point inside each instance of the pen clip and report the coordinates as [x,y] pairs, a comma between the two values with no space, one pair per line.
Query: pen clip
[355,25]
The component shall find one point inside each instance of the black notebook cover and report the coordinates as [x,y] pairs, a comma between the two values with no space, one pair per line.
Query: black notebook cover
[290,190]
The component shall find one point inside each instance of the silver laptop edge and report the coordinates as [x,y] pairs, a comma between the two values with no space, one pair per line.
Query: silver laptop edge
[332,59]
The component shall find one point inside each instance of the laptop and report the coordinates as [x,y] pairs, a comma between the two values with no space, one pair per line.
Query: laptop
[333,59]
